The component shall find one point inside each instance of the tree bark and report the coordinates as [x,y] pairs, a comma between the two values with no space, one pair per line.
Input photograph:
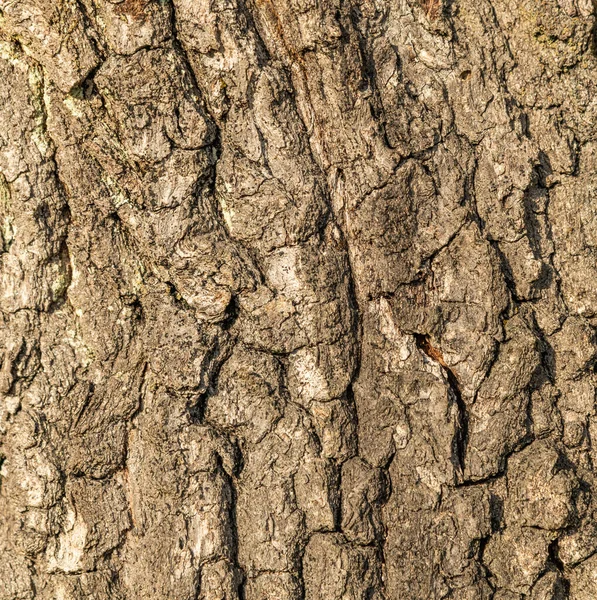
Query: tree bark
[298,299]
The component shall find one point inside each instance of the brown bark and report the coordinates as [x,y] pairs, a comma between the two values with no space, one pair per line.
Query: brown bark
[298,299]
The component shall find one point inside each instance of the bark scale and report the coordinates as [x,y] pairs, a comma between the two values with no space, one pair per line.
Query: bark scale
[298,299]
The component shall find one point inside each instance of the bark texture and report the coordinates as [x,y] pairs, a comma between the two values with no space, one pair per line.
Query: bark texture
[298,299]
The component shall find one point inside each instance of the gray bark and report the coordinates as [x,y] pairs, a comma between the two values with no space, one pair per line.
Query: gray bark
[298,299]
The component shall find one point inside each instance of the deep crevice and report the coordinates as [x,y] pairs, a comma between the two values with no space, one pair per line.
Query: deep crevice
[460,440]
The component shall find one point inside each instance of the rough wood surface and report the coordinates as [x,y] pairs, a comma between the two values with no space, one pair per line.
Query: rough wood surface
[298,299]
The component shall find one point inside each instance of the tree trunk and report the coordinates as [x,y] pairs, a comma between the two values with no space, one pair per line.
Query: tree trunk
[298,299]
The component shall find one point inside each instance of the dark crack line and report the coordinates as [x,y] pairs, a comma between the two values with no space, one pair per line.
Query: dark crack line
[460,440]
